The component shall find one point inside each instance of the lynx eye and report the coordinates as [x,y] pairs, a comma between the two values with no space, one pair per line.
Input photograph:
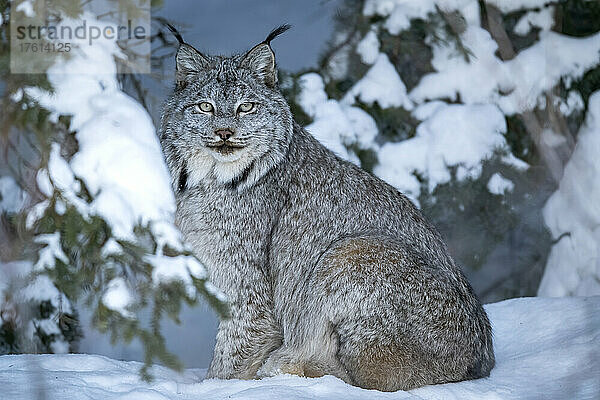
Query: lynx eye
[204,107]
[245,107]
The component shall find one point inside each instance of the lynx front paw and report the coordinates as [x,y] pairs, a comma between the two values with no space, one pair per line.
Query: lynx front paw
[283,361]
[272,370]
[280,362]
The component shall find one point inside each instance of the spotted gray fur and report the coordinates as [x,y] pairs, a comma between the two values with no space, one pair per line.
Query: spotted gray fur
[329,270]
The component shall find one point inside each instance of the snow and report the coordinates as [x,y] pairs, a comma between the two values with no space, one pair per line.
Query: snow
[400,12]
[552,139]
[557,56]
[36,212]
[368,47]
[118,297]
[179,268]
[514,162]
[17,96]
[41,288]
[453,135]
[515,85]
[51,252]
[26,7]
[499,184]
[339,63]
[545,348]
[60,176]
[111,247]
[381,84]
[459,136]
[312,94]
[574,102]
[572,215]
[543,19]
[514,5]
[335,124]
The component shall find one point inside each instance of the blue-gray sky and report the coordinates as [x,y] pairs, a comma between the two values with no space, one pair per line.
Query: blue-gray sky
[228,26]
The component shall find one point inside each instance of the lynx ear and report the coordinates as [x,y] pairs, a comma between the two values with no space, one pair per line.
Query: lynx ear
[261,58]
[189,61]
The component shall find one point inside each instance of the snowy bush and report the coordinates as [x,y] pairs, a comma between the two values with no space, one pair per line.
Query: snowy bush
[34,316]
[471,109]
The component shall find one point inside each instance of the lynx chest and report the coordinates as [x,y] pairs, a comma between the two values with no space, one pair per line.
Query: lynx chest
[229,232]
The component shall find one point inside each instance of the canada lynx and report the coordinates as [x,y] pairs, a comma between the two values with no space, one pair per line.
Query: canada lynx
[329,270]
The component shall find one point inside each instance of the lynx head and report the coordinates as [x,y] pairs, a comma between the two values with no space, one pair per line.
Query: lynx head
[226,122]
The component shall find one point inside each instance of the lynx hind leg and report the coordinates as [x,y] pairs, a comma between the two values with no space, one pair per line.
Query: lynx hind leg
[400,323]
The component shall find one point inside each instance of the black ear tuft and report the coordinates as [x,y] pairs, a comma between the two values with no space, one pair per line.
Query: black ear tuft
[276,32]
[188,60]
[175,32]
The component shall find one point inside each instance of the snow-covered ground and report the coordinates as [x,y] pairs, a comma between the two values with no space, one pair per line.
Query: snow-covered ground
[545,349]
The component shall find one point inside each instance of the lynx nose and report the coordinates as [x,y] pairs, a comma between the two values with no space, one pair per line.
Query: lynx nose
[224,134]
